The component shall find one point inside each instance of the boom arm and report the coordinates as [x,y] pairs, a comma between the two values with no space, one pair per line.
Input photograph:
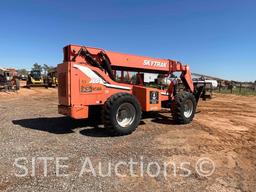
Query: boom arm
[109,61]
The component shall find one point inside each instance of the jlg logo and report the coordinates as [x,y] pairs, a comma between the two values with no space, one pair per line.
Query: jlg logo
[154,63]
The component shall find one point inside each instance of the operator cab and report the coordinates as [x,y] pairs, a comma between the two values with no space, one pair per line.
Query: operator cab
[36,74]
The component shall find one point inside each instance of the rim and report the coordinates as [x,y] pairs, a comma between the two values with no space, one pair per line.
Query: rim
[188,108]
[125,114]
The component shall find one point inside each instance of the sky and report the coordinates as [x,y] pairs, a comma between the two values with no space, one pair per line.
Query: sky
[216,38]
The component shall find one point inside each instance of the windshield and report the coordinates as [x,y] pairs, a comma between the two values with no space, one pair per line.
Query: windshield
[36,74]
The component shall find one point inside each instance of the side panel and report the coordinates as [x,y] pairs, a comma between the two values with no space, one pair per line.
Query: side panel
[84,92]
[149,98]
[90,86]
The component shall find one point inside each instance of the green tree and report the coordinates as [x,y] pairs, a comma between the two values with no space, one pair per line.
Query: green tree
[36,66]
[45,69]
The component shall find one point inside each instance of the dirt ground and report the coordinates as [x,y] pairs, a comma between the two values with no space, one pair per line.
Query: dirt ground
[223,132]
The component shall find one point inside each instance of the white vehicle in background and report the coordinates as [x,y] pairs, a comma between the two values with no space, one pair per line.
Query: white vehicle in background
[209,86]
[214,83]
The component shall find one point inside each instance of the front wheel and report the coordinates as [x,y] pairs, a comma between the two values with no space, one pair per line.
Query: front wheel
[184,108]
[122,114]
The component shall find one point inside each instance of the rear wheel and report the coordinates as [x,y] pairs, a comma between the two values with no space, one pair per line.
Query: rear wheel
[184,108]
[122,114]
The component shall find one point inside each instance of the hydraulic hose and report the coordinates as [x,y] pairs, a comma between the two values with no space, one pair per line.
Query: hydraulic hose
[107,65]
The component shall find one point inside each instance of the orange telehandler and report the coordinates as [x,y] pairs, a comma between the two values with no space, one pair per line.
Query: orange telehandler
[91,78]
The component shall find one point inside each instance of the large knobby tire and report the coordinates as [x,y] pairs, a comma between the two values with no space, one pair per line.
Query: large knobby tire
[122,114]
[184,107]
